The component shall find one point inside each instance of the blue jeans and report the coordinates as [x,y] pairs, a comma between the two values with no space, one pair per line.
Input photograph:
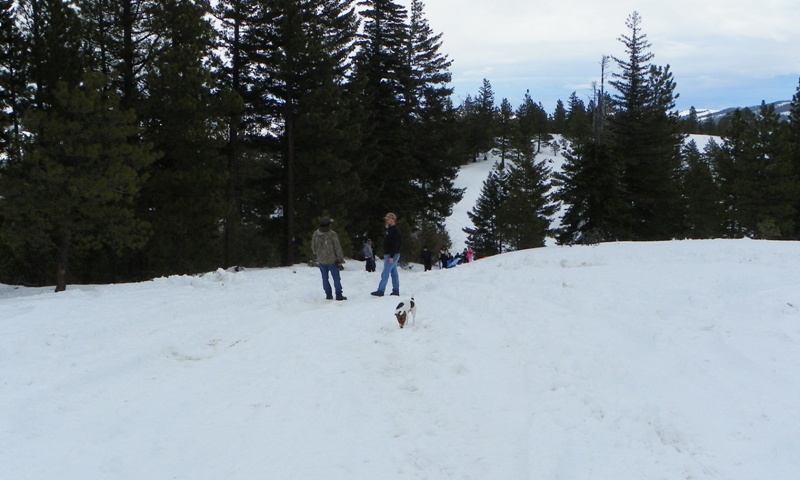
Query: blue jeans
[390,269]
[337,281]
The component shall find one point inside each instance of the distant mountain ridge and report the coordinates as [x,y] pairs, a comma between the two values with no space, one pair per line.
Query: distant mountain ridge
[782,107]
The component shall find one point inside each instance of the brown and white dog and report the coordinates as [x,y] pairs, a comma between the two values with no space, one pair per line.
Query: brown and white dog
[403,309]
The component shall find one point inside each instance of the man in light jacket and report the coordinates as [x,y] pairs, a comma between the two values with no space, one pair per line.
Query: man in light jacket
[326,247]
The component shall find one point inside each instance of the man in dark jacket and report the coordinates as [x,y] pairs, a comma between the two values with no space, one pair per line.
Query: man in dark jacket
[391,255]
[326,247]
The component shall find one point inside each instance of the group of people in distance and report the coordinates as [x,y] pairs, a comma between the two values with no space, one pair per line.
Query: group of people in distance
[330,259]
[448,260]
[445,258]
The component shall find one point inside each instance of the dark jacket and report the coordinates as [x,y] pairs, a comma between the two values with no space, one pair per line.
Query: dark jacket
[425,256]
[391,242]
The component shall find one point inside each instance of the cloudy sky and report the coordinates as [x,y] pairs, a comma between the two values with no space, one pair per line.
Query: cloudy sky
[722,53]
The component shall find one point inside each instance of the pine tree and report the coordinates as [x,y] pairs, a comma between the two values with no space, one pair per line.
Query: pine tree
[120,39]
[793,137]
[780,187]
[558,122]
[183,197]
[13,72]
[434,139]
[646,139]
[525,131]
[486,237]
[691,124]
[53,34]
[299,53]
[506,126]
[590,187]
[231,16]
[384,84]
[74,189]
[579,121]
[486,118]
[527,213]
[758,185]
[704,210]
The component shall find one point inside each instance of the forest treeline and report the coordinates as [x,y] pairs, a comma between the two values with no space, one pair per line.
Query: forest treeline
[144,138]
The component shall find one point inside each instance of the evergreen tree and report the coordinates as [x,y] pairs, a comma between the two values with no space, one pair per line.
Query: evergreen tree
[506,126]
[13,91]
[232,16]
[758,185]
[780,188]
[470,128]
[794,151]
[384,85]
[704,212]
[300,52]
[486,235]
[579,121]
[434,140]
[74,189]
[53,34]
[558,123]
[646,139]
[590,187]
[691,124]
[708,126]
[590,181]
[120,39]
[527,213]
[525,128]
[539,118]
[481,121]
[183,196]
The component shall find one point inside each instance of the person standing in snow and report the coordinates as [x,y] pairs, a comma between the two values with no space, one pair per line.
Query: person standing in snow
[369,256]
[330,259]
[425,258]
[391,256]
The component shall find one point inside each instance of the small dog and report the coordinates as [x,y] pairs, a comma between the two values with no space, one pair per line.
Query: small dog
[403,309]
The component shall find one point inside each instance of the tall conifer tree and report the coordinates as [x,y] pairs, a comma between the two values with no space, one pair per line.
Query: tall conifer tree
[183,196]
[299,53]
[703,216]
[646,141]
[527,213]
[384,84]
[758,185]
[486,235]
[74,190]
[434,137]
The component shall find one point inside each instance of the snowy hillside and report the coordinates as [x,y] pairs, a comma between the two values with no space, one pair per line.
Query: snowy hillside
[472,175]
[652,360]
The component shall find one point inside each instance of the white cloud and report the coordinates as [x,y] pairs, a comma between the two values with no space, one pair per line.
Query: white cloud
[722,42]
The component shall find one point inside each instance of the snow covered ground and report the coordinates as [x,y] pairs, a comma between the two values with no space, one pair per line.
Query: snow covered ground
[653,360]
[664,360]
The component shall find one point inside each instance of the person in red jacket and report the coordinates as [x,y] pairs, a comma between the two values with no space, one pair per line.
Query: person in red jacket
[391,256]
